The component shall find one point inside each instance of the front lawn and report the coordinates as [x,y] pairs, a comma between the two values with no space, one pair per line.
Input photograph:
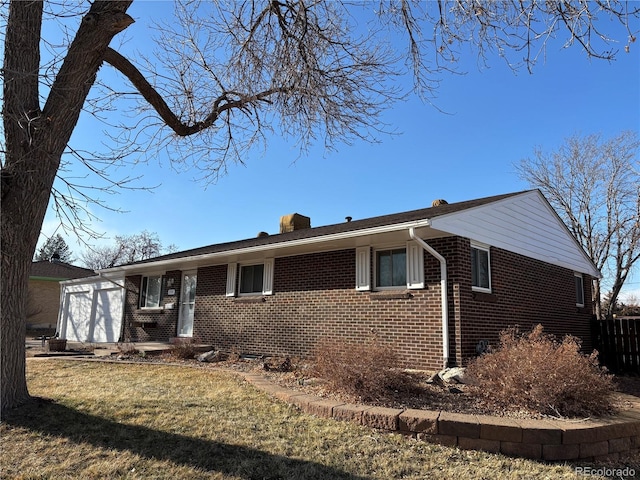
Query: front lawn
[138,421]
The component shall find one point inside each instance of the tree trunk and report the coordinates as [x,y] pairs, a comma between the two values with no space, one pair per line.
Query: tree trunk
[596,297]
[35,141]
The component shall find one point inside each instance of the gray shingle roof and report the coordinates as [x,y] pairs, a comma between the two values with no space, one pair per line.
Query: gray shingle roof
[58,270]
[354,225]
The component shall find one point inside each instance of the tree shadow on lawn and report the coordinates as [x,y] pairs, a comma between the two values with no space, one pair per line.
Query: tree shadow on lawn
[47,417]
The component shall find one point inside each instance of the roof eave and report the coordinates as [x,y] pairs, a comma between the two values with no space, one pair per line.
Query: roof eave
[215,257]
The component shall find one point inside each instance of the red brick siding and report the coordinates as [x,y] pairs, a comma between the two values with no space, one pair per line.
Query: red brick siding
[525,292]
[315,297]
[144,326]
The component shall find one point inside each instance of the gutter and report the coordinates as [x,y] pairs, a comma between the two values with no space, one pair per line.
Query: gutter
[216,256]
[48,279]
[443,294]
[110,280]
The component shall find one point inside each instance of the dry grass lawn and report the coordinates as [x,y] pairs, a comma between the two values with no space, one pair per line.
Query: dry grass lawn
[138,421]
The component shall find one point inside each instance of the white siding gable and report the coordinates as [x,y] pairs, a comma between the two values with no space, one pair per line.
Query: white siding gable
[525,224]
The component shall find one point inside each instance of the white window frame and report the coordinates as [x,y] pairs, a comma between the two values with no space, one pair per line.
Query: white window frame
[485,248]
[234,272]
[145,296]
[375,268]
[576,276]
[243,268]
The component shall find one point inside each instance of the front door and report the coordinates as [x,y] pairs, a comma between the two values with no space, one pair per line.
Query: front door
[187,305]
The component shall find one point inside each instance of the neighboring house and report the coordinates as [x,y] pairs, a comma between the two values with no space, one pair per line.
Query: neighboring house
[505,260]
[44,291]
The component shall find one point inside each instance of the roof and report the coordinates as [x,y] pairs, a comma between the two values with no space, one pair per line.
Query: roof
[58,270]
[345,227]
[519,216]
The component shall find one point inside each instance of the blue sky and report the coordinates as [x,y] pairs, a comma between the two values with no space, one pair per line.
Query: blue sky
[495,117]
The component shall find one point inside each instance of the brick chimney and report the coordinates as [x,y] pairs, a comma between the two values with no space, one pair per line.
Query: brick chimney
[294,221]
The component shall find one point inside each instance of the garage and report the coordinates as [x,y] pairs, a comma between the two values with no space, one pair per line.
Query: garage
[91,310]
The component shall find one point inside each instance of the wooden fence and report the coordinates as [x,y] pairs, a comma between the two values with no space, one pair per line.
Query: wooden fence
[618,343]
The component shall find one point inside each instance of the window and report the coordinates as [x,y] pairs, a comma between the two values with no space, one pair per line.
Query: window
[391,268]
[480,268]
[151,292]
[579,290]
[394,267]
[251,278]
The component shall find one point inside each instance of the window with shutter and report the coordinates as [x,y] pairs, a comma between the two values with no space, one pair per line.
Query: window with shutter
[253,279]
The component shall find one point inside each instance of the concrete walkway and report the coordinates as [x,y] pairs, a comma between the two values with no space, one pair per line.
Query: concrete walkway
[36,347]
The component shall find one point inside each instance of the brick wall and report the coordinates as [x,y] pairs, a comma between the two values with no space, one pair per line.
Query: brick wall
[142,325]
[315,298]
[525,292]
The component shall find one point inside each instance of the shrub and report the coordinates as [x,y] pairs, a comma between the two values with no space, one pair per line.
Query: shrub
[538,373]
[127,348]
[184,349]
[367,370]
[234,355]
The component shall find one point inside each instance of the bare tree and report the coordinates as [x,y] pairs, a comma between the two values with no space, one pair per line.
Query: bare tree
[594,185]
[126,249]
[231,73]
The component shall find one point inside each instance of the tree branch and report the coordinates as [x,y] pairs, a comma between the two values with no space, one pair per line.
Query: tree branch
[223,102]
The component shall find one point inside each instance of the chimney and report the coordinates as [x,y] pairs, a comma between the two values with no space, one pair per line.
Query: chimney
[294,221]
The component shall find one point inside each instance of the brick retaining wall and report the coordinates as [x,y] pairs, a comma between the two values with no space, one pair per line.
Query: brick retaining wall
[604,439]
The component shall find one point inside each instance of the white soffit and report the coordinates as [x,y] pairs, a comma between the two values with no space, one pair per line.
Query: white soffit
[525,224]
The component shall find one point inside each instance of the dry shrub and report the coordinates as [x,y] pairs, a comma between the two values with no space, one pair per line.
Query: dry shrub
[366,370]
[127,348]
[235,355]
[184,349]
[538,373]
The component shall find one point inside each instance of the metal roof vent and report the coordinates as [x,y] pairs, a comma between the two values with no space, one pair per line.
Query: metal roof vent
[438,202]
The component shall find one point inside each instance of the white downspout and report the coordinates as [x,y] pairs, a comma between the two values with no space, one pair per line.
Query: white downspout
[443,294]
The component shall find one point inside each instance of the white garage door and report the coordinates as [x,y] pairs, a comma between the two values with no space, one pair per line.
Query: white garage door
[108,315]
[78,306]
[91,310]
